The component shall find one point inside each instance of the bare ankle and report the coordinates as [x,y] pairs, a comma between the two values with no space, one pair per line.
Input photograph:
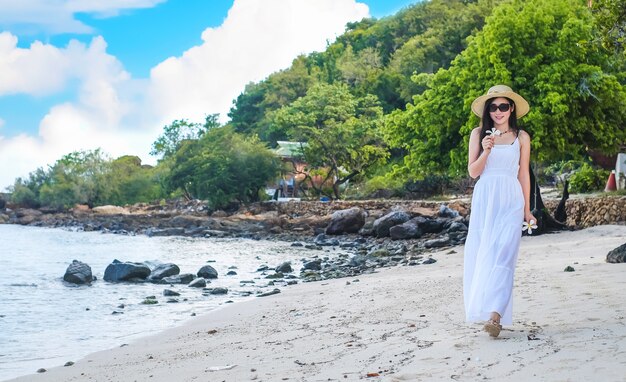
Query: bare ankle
[495,316]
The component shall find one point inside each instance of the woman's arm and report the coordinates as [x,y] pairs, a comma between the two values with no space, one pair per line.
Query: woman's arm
[476,160]
[524,173]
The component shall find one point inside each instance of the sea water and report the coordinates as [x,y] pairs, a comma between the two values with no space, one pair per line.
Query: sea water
[45,322]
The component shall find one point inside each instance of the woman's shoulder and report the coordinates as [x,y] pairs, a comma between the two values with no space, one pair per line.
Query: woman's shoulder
[523,136]
[476,130]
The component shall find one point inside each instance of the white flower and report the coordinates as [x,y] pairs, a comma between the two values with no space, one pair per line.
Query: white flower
[494,131]
[529,226]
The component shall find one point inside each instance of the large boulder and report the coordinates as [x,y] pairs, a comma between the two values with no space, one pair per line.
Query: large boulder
[407,230]
[26,216]
[164,270]
[78,273]
[284,267]
[618,255]
[314,265]
[383,224]
[457,226]
[447,212]
[118,271]
[207,272]
[427,225]
[346,221]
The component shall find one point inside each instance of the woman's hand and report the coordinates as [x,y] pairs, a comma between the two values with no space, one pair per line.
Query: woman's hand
[528,217]
[488,142]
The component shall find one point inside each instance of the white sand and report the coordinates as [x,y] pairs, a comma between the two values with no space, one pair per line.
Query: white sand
[405,323]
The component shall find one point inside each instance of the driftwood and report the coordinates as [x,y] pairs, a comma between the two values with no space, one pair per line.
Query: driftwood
[545,222]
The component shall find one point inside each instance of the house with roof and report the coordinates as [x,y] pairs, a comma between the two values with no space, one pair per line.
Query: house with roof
[293,170]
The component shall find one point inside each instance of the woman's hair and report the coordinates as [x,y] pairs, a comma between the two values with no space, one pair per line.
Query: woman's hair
[486,123]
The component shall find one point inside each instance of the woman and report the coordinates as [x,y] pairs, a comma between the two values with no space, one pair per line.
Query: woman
[499,152]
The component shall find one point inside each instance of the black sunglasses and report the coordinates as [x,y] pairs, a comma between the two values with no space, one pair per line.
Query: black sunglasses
[502,107]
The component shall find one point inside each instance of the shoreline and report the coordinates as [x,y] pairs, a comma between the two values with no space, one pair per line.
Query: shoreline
[405,323]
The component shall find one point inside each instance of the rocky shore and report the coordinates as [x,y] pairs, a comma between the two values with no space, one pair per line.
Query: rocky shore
[379,236]
[377,233]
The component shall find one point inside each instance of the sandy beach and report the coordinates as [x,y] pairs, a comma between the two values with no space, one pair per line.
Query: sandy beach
[401,324]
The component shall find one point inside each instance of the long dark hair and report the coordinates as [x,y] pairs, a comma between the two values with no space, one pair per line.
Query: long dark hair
[486,123]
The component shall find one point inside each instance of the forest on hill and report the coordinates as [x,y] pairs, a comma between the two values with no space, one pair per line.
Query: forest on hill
[386,109]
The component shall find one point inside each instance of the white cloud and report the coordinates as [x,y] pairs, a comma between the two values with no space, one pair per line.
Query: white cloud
[124,115]
[256,39]
[94,119]
[44,69]
[39,70]
[57,16]
[108,8]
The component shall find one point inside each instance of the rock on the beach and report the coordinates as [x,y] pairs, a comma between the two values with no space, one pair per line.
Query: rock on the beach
[198,283]
[406,230]
[322,240]
[346,221]
[27,215]
[618,255]
[368,229]
[357,261]
[110,210]
[118,271]
[275,291]
[170,293]
[380,252]
[383,224]
[284,267]
[176,231]
[78,273]
[443,241]
[164,270]
[314,265]
[447,212]
[427,225]
[218,290]
[457,226]
[208,272]
[184,278]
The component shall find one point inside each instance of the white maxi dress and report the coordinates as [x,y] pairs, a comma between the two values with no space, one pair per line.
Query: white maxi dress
[493,240]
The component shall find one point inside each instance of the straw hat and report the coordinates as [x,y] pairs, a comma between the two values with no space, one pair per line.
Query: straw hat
[521,105]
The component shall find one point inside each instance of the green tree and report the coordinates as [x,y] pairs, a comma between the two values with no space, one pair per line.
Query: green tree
[610,16]
[178,131]
[250,109]
[76,178]
[25,192]
[339,129]
[222,167]
[131,182]
[538,48]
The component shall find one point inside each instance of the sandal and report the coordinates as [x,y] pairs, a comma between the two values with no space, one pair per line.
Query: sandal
[493,328]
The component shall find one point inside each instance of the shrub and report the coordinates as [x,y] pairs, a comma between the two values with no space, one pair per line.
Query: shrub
[588,179]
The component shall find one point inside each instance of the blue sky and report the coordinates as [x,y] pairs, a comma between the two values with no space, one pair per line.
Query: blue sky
[76,75]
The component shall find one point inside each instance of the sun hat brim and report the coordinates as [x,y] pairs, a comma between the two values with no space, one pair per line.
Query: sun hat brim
[521,105]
